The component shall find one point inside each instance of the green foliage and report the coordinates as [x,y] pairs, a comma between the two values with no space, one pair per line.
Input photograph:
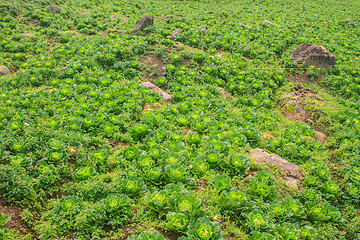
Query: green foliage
[76,121]
[204,228]
[148,235]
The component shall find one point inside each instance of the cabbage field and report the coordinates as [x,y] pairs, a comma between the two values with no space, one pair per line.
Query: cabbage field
[88,151]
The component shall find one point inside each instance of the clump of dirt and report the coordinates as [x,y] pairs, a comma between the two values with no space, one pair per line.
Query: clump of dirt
[117,145]
[297,107]
[201,184]
[151,60]
[305,78]
[171,235]
[16,221]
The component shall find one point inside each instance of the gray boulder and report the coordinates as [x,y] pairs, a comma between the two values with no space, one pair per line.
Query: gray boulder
[292,171]
[4,70]
[314,55]
[144,22]
[54,9]
[167,97]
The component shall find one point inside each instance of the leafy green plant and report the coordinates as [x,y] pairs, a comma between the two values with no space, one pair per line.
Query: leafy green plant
[186,203]
[204,228]
[233,200]
[177,221]
[84,173]
[222,182]
[256,220]
[148,235]
[117,202]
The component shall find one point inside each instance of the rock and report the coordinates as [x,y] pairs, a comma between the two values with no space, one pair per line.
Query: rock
[349,20]
[309,121]
[85,12]
[320,137]
[295,110]
[166,96]
[292,171]
[54,9]
[267,135]
[225,94]
[314,55]
[268,22]
[175,33]
[144,22]
[291,182]
[4,70]
[202,28]
[26,35]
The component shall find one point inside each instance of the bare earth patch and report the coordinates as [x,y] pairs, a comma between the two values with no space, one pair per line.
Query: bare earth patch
[151,60]
[16,223]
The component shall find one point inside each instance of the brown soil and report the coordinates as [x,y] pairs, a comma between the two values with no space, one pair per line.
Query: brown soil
[201,184]
[147,108]
[171,235]
[299,95]
[304,78]
[267,135]
[117,145]
[16,222]
[150,60]
[297,99]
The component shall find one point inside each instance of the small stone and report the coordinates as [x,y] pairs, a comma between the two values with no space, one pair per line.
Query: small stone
[225,94]
[54,9]
[26,35]
[167,97]
[85,12]
[348,20]
[175,33]
[144,22]
[202,29]
[268,22]
[4,70]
